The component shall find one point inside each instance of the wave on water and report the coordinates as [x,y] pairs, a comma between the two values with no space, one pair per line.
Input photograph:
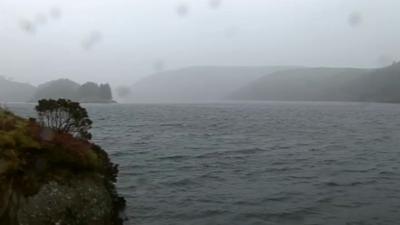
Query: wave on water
[252,164]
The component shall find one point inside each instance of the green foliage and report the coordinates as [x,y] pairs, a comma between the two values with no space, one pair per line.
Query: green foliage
[64,88]
[14,140]
[105,92]
[64,116]
[90,91]
[31,155]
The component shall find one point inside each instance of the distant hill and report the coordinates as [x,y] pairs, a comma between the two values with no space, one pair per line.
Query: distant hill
[326,84]
[194,84]
[218,83]
[304,84]
[379,85]
[11,91]
[63,88]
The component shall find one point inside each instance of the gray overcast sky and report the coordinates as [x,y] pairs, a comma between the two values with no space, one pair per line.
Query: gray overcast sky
[120,41]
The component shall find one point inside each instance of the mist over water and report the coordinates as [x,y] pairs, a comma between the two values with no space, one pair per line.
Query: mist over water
[253,163]
[121,42]
[205,136]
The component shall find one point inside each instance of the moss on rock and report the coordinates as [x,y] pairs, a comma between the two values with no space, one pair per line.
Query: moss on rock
[48,177]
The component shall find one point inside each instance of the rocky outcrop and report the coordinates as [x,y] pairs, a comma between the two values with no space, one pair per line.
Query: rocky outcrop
[54,179]
[82,201]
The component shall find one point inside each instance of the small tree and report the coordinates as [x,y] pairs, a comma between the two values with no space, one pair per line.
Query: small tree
[64,116]
[105,91]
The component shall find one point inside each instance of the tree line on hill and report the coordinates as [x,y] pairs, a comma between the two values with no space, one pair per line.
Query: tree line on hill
[64,88]
[12,91]
[220,83]
[205,84]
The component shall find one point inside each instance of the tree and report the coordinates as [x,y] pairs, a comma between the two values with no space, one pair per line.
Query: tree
[88,91]
[105,92]
[64,116]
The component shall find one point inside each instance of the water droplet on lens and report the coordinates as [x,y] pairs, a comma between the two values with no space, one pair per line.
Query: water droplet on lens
[355,19]
[92,39]
[55,13]
[123,91]
[27,26]
[215,3]
[182,9]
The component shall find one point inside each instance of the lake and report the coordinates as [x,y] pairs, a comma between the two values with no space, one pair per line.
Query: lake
[253,163]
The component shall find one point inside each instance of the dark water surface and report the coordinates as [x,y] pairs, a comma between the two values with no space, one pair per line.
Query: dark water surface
[254,163]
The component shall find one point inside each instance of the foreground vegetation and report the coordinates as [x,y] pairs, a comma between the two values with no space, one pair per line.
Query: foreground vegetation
[32,155]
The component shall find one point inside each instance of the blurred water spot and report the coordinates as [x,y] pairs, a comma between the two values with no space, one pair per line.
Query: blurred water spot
[355,19]
[123,91]
[55,13]
[159,65]
[40,19]
[182,9]
[27,26]
[91,40]
[215,3]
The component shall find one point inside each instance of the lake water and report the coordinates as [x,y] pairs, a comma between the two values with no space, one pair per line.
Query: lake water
[253,163]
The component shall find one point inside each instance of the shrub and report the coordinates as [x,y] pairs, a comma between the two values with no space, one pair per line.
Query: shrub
[64,116]
[32,155]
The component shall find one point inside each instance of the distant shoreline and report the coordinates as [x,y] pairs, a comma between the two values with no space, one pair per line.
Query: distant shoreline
[83,102]
[100,102]
[4,103]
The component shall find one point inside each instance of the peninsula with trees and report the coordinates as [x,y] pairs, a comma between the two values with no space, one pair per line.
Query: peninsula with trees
[89,92]
[227,83]
[52,173]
